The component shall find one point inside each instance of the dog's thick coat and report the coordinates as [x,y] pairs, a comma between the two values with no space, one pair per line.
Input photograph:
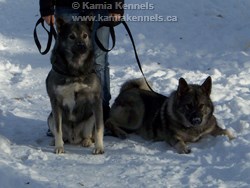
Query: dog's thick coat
[74,89]
[186,116]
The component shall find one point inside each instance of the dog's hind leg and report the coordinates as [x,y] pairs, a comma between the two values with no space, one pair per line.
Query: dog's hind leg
[88,127]
[114,128]
[99,127]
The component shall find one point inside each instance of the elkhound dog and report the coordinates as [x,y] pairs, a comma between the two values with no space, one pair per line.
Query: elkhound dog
[185,116]
[74,89]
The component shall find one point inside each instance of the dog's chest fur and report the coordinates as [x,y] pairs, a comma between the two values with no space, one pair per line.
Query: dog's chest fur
[70,93]
[76,96]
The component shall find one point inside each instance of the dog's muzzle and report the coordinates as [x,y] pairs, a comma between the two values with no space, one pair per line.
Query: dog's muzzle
[81,47]
[195,118]
[196,121]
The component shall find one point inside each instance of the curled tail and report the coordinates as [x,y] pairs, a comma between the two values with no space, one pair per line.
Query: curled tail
[138,83]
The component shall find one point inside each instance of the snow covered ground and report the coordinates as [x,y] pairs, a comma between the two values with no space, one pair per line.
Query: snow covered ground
[210,38]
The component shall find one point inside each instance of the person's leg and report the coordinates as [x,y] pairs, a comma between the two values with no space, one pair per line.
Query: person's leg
[102,68]
[101,60]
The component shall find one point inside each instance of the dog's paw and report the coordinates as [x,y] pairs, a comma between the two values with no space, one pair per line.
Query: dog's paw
[112,130]
[230,135]
[59,150]
[182,148]
[87,142]
[122,135]
[186,150]
[98,151]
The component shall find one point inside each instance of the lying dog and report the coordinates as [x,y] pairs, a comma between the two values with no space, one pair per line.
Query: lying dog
[186,116]
[74,89]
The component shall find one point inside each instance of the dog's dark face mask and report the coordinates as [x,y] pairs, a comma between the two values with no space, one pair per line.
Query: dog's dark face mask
[73,52]
[78,38]
[75,37]
[74,41]
[194,104]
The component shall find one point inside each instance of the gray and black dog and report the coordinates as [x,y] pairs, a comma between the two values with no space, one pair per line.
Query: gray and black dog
[74,89]
[185,116]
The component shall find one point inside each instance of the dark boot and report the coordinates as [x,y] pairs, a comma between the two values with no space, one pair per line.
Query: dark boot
[106,111]
[49,132]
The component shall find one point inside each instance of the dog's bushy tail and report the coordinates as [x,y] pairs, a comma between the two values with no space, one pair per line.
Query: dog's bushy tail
[139,83]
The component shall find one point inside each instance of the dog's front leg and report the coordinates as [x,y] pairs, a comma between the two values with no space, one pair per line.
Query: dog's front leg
[219,131]
[179,144]
[57,114]
[99,127]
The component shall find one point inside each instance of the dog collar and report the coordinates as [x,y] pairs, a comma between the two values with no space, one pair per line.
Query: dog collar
[61,72]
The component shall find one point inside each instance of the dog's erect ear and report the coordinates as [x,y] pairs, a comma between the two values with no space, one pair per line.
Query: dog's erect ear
[59,24]
[207,85]
[90,21]
[90,25]
[183,87]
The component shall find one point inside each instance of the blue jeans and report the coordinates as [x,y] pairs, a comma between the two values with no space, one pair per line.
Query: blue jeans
[101,57]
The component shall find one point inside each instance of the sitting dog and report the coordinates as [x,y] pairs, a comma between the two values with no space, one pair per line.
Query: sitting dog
[185,116]
[74,89]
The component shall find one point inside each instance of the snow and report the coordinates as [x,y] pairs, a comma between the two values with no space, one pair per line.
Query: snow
[210,38]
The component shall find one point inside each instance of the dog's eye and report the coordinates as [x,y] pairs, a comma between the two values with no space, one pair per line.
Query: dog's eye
[85,35]
[201,106]
[188,106]
[72,37]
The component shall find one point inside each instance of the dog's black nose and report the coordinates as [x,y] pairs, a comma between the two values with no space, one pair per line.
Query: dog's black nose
[196,121]
[81,46]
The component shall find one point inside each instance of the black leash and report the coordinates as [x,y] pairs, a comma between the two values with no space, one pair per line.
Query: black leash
[112,34]
[51,33]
